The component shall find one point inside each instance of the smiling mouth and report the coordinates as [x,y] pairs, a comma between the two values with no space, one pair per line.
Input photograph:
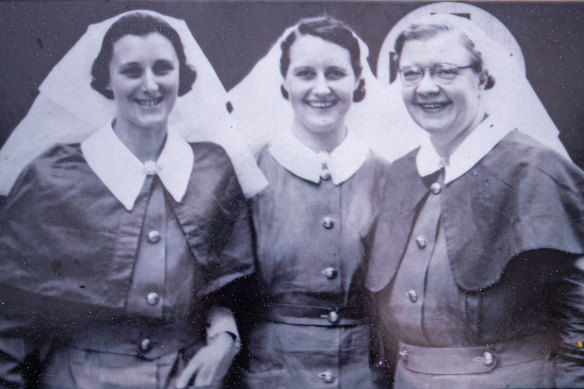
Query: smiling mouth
[434,107]
[322,104]
[149,102]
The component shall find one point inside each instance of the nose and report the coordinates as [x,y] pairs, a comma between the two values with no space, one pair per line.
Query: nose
[149,81]
[321,86]
[427,85]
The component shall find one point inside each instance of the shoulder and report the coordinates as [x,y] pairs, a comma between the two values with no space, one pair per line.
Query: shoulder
[211,155]
[520,160]
[61,165]
[269,166]
[208,150]
[403,173]
[377,162]
[50,179]
[262,154]
[59,156]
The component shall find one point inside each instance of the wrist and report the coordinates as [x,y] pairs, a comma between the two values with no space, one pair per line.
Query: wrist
[225,336]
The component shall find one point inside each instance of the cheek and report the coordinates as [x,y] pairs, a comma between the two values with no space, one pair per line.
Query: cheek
[171,82]
[407,95]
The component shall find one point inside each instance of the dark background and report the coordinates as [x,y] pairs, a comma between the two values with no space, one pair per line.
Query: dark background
[34,36]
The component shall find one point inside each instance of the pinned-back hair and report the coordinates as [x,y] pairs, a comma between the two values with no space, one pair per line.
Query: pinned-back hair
[329,29]
[421,32]
[138,24]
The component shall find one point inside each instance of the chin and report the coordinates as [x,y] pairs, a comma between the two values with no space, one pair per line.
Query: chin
[153,123]
[323,128]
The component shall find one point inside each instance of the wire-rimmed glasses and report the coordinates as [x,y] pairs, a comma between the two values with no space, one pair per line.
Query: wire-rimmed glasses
[443,73]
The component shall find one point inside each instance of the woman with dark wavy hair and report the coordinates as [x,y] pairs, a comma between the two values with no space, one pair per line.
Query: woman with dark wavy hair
[312,223]
[117,249]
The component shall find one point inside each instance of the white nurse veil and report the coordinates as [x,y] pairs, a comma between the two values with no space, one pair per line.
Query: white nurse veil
[68,109]
[263,114]
[512,100]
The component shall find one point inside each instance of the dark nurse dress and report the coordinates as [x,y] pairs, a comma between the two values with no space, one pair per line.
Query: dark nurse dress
[313,226]
[109,266]
[481,285]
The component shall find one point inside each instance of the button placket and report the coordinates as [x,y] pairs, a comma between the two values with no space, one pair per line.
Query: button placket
[146,292]
[408,298]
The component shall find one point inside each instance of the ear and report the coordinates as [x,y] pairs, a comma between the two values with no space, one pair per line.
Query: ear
[109,92]
[358,82]
[359,91]
[483,79]
[284,90]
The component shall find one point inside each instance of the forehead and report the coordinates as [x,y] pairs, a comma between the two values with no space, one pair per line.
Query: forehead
[136,48]
[446,47]
[309,50]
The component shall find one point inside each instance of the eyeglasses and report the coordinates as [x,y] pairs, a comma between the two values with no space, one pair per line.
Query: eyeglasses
[441,72]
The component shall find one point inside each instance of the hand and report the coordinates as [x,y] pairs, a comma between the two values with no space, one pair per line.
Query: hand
[211,363]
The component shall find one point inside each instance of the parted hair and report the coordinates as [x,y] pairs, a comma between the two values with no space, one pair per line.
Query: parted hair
[138,24]
[331,30]
[420,32]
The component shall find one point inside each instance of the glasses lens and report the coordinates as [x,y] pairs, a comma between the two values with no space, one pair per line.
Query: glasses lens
[445,72]
[412,74]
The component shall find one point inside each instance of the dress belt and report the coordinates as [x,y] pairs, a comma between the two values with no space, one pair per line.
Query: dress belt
[472,360]
[142,339]
[315,316]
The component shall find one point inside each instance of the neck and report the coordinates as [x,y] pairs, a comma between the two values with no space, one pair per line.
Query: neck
[446,145]
[145,143]
[326,141]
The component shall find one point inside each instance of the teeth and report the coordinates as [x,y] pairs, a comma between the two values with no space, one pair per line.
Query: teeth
[321,104]
[433,106]
[149,102]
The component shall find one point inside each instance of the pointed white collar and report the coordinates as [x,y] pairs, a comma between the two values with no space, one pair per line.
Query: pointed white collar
[472,149]
[301,160]
[123,173]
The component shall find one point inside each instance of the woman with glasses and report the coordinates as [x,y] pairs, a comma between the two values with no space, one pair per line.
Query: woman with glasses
[479,276]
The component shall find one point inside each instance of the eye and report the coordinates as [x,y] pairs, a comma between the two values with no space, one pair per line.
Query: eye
[411,72]
[132,70]
[446,72]
[305,74]
[335,74]
[162,67]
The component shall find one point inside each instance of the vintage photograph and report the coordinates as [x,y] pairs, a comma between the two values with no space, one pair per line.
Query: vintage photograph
[291,194]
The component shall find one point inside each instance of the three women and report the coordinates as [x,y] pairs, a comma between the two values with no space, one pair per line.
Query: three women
[451,237]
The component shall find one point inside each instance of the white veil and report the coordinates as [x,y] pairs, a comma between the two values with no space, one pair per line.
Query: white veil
[67,109]
[262,113]
[512,100]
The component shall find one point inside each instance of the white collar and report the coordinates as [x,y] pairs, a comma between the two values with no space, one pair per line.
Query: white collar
[123,173]
[301,160]
[472,149]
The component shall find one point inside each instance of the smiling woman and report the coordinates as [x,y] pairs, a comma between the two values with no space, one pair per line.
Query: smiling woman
[442,87]
[136,233]
[320,84]
[477,268]
[144,80]
[313,222]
